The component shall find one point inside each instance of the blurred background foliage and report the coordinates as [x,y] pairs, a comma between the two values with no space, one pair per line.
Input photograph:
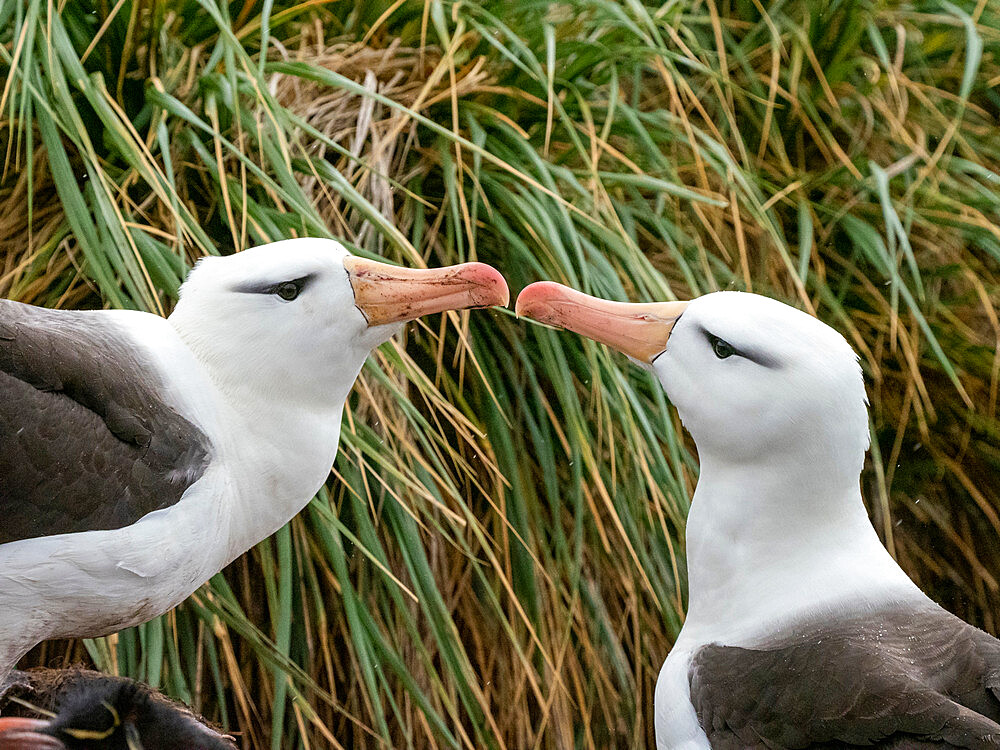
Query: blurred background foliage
[497,561]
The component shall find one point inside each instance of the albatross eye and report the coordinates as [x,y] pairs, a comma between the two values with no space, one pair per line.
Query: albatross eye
[287,291]
[722,349]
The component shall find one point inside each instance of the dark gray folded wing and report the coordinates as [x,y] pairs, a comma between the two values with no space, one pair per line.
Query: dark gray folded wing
[86,438]
[899,679]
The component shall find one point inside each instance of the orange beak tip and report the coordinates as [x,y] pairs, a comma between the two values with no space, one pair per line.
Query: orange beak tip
[490,282]
[533,301]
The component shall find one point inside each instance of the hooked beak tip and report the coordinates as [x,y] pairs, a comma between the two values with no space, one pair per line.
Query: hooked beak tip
[534,301]
[490,285]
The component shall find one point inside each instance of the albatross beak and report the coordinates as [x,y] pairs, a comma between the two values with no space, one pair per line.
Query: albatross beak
[639,330]
[390,294]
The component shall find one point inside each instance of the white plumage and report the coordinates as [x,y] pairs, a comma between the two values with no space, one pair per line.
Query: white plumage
[256,360]
[801,629]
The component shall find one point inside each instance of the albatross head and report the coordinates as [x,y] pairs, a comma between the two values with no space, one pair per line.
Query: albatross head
[776,404]
[281,332]
[299,317]
[753,380]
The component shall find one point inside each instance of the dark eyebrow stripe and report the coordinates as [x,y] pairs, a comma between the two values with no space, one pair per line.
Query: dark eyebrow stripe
[758,357]
[764,360]
[269,287]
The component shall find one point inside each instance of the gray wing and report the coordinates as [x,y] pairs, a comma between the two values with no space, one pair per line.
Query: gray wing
[86,440]
[898,680]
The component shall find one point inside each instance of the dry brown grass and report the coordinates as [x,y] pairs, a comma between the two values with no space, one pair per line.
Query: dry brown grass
[499,561]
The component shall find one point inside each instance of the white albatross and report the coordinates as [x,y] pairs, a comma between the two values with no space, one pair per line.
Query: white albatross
[801,630]
[140,455]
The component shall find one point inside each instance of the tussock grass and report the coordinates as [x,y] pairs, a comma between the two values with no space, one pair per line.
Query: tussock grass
[499,559]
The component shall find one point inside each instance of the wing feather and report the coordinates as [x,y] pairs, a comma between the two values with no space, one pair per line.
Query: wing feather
[889,680]
[86,438]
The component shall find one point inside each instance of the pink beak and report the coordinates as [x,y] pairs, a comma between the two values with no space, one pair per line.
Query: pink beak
[391,294]
[639,330]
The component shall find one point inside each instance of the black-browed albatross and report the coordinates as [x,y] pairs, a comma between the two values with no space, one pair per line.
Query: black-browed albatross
[140,455]
[801,630]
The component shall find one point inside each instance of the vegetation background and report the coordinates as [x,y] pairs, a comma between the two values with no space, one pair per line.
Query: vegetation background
[498,561]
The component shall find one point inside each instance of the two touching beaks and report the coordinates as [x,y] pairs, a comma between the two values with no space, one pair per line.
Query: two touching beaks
[390,294]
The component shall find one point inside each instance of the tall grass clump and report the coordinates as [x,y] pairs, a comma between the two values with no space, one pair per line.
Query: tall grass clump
[498,558]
